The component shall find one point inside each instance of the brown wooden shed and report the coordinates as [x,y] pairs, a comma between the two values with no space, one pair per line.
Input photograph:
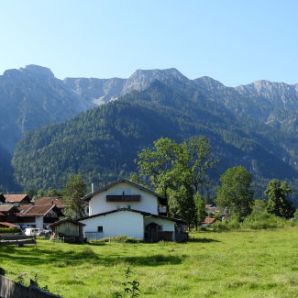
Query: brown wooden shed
[68,230]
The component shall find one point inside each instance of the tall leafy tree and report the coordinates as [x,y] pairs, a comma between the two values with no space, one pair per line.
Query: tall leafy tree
[234,192]
[177,171]
[277,192]
[200,209]
[72,195]
[156,165]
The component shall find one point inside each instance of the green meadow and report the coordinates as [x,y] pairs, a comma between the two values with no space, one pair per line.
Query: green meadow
[230,264]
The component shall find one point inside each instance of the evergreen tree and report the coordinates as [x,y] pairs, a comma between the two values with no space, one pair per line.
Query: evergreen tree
[277,193]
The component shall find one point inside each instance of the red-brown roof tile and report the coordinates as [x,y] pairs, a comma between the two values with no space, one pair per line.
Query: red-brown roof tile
[6,207]
[15,198]
[34,210]
[50,201]
[208,220]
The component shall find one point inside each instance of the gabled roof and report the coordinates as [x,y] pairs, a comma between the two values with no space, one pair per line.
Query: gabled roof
[6,208]
[66,220]
[50,201]
[15,198]
[33,210]
[135,211]
[161,199]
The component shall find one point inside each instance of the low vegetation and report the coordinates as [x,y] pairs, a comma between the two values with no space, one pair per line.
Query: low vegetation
[259,263]
[9,230]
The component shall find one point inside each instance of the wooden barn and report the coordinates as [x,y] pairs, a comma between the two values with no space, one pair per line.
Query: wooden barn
[68,230]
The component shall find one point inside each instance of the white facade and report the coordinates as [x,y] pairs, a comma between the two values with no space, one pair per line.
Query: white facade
[166,225]
[120,218]
[122,223]
[148,202]
[38,223]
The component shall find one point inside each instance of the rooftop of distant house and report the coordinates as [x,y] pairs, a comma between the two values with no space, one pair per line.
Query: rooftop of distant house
[16,198]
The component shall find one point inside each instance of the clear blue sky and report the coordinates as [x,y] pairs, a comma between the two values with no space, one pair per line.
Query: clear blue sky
[234,41]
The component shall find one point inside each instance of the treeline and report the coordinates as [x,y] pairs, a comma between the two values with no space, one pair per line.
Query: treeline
[180,172]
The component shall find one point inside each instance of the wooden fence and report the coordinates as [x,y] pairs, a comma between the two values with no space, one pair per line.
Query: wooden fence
[6,239]
[11,289]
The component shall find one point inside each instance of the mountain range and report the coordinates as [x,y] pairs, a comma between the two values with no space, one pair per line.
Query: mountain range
[54,128]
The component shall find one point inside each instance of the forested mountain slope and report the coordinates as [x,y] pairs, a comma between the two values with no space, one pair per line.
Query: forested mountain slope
[103,143]
[255,125]
[32,97]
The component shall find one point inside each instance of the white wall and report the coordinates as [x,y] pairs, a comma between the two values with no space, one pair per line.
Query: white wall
[120,223]
[147,203]
[39,222]
[167,225]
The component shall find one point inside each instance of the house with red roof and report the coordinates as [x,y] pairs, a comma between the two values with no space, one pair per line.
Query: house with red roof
[38,216]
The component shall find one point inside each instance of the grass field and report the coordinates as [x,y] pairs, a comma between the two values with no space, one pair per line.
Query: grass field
[231,264]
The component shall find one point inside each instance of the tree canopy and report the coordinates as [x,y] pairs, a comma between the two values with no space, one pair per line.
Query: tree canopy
[235,192]
[73,193]
[178,172]
[277,192]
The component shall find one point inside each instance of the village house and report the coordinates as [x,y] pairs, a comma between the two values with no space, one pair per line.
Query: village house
[37,216]
[128,209]
[17,199]
[20,210]
[50,201]
[8,213]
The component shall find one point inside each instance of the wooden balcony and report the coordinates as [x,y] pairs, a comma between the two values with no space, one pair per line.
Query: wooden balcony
[123,198]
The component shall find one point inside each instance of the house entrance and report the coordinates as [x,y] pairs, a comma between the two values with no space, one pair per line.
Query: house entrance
[152,232]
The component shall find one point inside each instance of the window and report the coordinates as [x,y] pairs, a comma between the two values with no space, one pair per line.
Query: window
[100,229]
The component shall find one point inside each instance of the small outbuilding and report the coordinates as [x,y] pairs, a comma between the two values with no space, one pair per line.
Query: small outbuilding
[68,230]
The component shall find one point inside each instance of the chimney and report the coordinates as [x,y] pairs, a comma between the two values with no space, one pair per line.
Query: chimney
[92,187]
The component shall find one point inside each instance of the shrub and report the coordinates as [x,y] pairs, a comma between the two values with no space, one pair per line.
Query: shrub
[119,239]
[263,220]
[9,230]
[231,223]
[295,216]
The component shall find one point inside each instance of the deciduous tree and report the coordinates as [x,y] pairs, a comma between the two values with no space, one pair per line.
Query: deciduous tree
[73,193]
[234,192]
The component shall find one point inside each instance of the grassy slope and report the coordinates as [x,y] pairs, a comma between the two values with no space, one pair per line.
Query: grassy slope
[234,264]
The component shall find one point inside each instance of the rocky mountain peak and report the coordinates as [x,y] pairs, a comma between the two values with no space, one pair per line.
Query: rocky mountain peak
[141,79]
[273,91]
[209,83]
[31,70]
[38,70]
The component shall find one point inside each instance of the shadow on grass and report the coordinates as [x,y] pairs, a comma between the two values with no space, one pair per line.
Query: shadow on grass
[59,258]
[202,240]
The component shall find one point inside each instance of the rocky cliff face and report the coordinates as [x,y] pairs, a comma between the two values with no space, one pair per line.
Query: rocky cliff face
[32,97]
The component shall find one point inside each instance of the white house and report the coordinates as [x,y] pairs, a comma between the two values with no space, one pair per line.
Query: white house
[124,208]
